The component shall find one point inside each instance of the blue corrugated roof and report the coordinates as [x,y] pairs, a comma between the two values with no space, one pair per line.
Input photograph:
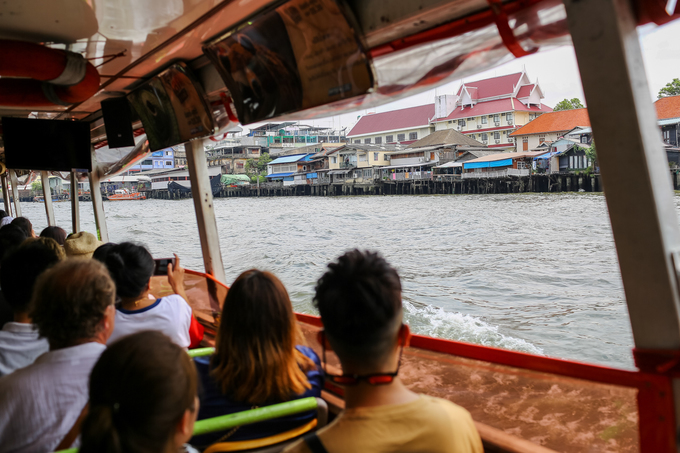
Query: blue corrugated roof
[279,175]
[288,159]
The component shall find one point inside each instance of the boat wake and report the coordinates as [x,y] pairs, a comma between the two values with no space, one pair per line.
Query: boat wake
[437,322]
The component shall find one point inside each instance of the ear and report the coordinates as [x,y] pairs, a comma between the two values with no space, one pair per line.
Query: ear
[322,339]
[185,426]
[404,335]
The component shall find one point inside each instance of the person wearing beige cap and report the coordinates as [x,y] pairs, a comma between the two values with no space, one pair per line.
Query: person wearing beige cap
[81,245]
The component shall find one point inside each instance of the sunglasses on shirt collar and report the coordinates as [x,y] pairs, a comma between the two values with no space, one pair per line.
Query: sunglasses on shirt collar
[349,380]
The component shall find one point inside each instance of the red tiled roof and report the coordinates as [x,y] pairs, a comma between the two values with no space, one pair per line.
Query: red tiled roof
[564,120]
[396,119]
[668,107]
[495,86]
[525,91]
[490,107]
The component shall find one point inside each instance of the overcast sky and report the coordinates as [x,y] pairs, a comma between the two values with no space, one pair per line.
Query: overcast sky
[556,71]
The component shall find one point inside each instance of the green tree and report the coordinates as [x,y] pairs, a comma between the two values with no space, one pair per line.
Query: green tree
[262,162]
[568,104]
[36,186]
[671,89]
[259,166]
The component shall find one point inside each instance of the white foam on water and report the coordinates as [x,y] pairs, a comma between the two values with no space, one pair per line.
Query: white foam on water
[437,322]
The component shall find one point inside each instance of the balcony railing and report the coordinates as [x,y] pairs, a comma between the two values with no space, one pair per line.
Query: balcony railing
[350,164]
[447,177]
[497,173]
[413,175]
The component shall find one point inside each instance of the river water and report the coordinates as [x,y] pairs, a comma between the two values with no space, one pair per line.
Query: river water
[530,272]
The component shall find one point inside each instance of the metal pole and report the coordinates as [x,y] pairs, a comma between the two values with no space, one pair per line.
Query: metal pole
[205,211]
[634,168]
[5,194]
[47,194]
[98,206]
[75,207]
[15,192]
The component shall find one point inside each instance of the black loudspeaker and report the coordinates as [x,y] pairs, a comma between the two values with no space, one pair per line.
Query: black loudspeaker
[118,122]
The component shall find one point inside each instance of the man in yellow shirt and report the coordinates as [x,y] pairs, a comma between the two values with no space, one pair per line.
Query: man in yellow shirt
[359,299]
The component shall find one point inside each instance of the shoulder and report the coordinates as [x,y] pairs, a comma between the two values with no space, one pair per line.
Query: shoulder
[175,299]
[456,419]
[309,352]
[177,303]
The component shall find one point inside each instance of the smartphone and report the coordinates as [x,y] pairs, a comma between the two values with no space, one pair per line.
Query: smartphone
[161,265]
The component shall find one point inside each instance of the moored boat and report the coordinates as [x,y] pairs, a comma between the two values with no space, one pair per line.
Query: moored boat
[124,194]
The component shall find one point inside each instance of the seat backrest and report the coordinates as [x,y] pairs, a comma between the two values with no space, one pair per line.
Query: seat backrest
[277,442]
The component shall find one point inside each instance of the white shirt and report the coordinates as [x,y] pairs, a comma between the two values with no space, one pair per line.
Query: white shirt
[170,315]
[20,345]
[39,404]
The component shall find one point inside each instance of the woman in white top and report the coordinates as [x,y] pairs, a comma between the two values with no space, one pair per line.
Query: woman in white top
[131,267]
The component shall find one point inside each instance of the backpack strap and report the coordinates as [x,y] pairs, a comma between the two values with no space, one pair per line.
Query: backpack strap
[314,443]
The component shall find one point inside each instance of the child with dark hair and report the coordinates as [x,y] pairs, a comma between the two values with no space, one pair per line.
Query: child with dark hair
[131,267]
[20,343]
[359,299]
[54,232]
[142,397]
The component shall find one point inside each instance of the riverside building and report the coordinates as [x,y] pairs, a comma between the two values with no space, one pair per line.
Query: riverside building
[487,110]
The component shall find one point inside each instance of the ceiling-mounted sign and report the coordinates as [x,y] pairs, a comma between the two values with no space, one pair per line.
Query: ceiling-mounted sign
[303,54]
[173,108]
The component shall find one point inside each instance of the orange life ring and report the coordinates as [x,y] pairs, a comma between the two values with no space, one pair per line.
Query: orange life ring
[47,76]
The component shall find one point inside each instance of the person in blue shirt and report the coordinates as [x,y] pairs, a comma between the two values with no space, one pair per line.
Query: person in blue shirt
[259,360]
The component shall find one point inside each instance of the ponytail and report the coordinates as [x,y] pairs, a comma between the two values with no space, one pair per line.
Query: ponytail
[140,388]
[99,433]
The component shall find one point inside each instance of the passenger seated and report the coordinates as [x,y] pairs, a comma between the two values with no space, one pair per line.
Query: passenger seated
[54,232]
[20,343]
[11,236]
[131,267]
[259,359]
[359,299]
[6,220]
[81,245]
[72,306]
[25,225]
[142,397]
[102,251]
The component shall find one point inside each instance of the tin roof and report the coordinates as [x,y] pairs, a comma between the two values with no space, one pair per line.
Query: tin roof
[288,159]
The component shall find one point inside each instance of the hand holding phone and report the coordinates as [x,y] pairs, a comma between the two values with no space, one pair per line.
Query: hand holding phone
[161,265]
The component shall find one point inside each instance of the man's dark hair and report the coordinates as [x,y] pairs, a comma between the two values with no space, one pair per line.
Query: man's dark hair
[70,300]
[359,299]
[24,224]
[21,268]
[11,236]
